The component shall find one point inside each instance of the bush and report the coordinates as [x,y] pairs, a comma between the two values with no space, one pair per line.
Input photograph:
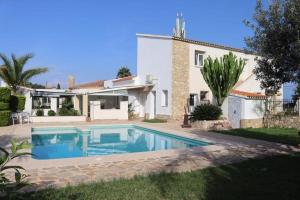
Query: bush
[40,113]
[68,112]
[51,113]
[5,94]
[4,106]
[206,112]
[17,103]
[4,117]
[155,120]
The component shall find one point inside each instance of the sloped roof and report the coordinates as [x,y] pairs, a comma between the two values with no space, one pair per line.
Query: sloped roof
[251,95]
[94,84]
[123,79]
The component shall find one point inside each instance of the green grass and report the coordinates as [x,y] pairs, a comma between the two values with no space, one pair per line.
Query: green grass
[280,135]
[155,120]
[269,178]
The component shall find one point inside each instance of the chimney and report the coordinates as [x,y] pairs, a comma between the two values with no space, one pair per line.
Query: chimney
[71,82]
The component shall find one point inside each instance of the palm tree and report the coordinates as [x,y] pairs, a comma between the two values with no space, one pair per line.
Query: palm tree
[222,74]
[12,71]
[123,72]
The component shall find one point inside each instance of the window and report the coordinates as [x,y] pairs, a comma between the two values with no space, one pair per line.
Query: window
[164,98]
[204,97]
[40,102]
[192,99]
[199,58]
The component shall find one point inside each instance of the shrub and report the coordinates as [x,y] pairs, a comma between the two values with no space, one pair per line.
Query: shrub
[51,113]
[68,112]
[4,105]
[5,94]
[17,103]
[4,117]
[156,120]
[40,113]
[10,185]
[206,112]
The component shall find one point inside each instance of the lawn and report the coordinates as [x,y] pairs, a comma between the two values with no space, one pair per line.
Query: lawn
[268,178]
[280,135]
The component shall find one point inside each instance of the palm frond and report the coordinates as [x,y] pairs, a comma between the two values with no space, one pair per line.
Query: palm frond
[26,75]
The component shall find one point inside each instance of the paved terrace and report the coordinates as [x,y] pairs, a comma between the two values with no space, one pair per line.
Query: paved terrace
[61,172]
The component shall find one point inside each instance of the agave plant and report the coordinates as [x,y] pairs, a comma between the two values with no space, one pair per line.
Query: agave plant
[13,73]
[222,74]
[7,185]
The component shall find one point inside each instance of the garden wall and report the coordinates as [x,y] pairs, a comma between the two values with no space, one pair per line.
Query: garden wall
[211,125]
[282,121]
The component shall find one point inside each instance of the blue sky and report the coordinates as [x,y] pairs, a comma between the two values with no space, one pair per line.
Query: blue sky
[91,39]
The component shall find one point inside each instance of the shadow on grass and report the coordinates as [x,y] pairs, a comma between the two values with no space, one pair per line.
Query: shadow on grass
[279,135]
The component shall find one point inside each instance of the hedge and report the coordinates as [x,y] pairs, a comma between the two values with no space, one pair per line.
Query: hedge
[4,105]
[51,113]
[17,103]
[5,117]
[5,94]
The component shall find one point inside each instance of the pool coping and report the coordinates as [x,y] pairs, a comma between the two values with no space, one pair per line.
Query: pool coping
[30,163]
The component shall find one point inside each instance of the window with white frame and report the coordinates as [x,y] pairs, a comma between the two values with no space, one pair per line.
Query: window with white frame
[164,98]
[199,58]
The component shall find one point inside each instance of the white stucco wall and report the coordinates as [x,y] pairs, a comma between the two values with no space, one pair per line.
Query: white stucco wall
[197,82]
[97,113]
[154,57]
[252,109]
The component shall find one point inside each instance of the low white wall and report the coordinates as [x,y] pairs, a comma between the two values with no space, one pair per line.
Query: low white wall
[58,119]
[97,113]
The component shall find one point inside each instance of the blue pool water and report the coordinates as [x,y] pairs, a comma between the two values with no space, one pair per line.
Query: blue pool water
[50,143]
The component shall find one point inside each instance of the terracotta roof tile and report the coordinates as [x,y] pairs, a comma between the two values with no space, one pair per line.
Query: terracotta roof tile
[94,84]
[248,94]
[124,79]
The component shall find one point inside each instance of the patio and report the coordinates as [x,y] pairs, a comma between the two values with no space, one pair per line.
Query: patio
[61,172]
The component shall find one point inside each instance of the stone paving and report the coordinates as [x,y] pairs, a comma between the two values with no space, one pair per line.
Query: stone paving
[235,149]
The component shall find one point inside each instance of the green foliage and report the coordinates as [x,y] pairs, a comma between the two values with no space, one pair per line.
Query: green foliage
[35,85]
[67,108]
[40,113]
[155,120]
[222,74]
[51,113]
[5,94]
[68,112]
[58,86]
[206,112]
[123,72]
[130,111]
[17,103]
[8,186]
[4,105]
[5,117]
[12,71]
[276,39]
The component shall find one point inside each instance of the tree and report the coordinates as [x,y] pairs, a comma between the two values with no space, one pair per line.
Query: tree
[123,72]
[276,39]
[222,74]
[12,71]
[35,85]
[58,86]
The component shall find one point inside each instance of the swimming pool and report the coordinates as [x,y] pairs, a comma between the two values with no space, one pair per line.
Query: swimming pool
[69,142]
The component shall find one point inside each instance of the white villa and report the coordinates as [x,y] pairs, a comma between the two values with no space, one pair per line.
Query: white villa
[168,84]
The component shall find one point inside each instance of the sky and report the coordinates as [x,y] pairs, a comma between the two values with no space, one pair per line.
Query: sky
[92,39]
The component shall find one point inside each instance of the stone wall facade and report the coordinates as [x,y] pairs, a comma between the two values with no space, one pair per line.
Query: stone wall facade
[282,121]
[207,125]
[180,78]
[252,123]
